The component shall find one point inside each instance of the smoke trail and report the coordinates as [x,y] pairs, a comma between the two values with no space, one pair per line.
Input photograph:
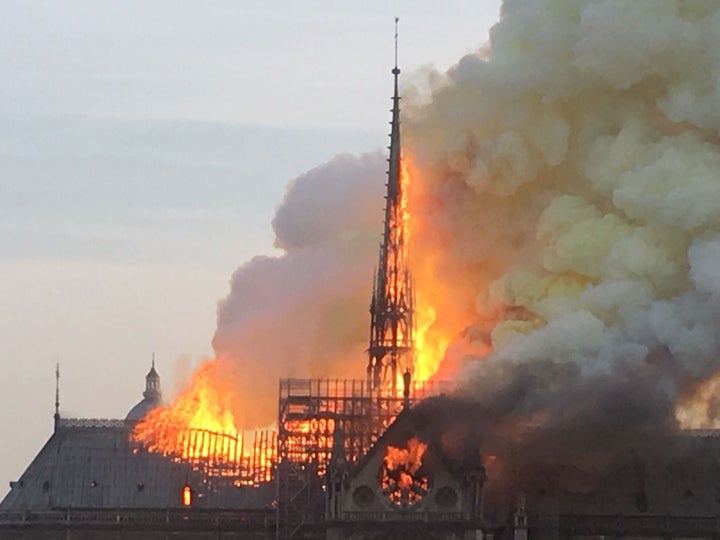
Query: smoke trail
[568,176]
[304,313]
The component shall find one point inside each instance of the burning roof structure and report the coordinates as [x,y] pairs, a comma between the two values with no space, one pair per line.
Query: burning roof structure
[91,474]
[93,464]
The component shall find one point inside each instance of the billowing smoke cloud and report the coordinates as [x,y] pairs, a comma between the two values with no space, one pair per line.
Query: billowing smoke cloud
[304,312]
[570,175]
[565,187]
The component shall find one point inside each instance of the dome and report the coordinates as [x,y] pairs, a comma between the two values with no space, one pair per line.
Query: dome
[139,411]
[152,396]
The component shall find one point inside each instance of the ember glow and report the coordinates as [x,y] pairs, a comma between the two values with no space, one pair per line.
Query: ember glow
[402,479]
[322,429]
[700,409]
[186,496]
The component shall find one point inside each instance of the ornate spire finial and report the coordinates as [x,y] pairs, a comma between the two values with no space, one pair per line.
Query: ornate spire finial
[153,360]
[396,45]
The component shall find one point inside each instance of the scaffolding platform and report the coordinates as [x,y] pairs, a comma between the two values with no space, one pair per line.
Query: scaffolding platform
[310,412]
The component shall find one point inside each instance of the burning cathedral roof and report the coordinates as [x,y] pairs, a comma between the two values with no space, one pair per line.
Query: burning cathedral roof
[91,464]
[94,463]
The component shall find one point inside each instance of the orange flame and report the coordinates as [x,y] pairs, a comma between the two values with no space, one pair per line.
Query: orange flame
[401,481]
[320,430]
[200,407]
[199,426]
[409,458]
[441,282]
[430,346]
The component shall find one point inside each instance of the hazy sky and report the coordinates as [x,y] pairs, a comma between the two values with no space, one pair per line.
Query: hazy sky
[143,149]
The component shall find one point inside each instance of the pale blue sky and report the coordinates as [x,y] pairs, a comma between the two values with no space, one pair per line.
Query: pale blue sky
[144,147]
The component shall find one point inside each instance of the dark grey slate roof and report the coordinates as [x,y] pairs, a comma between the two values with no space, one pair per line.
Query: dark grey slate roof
[93,464]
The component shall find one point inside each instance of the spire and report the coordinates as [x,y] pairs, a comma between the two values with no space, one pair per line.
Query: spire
[56,416]
[391,308]
[394,160]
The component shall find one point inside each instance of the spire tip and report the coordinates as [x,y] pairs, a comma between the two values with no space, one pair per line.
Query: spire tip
[396,70]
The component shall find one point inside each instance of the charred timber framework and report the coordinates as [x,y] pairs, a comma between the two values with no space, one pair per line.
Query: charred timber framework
[225,456]
[312,413]
[392,306]
[226,459]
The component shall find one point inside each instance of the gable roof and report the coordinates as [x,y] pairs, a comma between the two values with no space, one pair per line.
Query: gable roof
[409,423]
[389,436]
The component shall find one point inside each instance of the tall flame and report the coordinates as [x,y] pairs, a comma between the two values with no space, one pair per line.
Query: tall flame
[202,406]
[401,480]
[432,336]
[199,427]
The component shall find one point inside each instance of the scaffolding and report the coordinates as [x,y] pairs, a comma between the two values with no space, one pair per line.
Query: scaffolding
[246,459]
[310,412]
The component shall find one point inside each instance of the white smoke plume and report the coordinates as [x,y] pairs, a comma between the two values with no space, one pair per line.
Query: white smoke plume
[304,313]
[570,173]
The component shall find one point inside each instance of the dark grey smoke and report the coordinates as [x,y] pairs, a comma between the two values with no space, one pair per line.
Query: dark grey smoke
[551,430]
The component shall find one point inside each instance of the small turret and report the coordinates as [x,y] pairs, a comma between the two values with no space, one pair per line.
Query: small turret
[152,396]
[152,383]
